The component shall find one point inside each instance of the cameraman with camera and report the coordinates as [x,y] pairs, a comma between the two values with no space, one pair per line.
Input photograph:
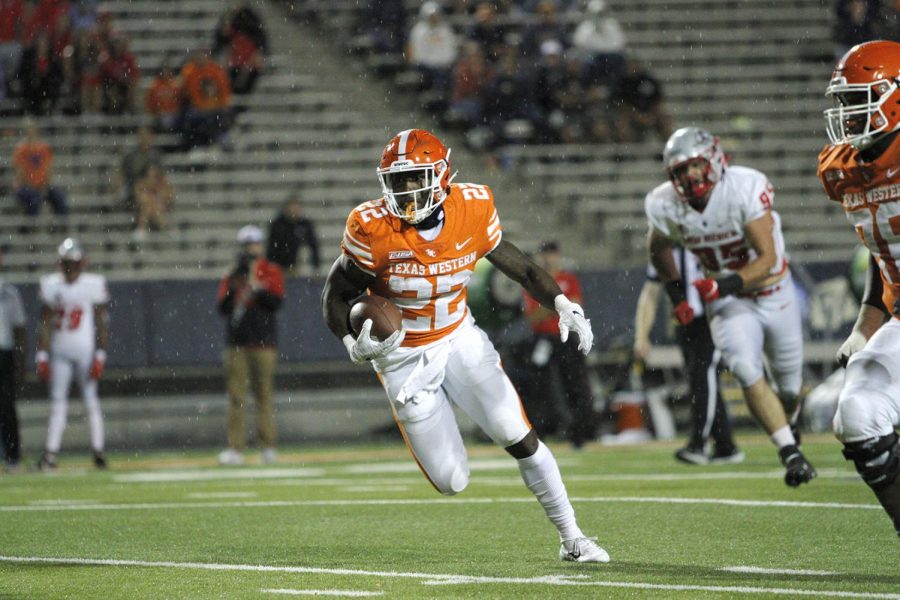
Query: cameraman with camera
[249,297]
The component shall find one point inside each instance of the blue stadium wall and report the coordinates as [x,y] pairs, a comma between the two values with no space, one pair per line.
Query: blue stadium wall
[175,323]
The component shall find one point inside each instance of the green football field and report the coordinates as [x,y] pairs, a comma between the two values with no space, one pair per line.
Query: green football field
[361,521]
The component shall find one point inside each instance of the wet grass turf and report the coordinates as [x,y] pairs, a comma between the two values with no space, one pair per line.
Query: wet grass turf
[362,519]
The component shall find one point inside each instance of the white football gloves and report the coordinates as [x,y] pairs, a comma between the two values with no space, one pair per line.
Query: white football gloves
[851,345]
[571,318]
[364,347]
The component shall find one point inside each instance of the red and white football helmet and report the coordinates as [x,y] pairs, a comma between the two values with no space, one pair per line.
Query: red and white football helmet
[865,88]
[685,147]
[414,174]
[72,258]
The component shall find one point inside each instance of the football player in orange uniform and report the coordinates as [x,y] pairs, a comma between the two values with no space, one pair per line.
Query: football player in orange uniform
[417,246]
[861,170]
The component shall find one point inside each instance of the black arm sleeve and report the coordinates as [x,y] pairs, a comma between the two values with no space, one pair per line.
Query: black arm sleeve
[874,286]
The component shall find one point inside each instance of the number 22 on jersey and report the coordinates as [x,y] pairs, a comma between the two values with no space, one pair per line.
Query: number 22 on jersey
[435,302]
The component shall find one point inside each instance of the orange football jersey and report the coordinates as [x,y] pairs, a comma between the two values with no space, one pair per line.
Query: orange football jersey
[870,195]
[425,279]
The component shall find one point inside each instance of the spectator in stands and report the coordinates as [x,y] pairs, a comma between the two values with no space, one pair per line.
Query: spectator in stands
[135,164]
[551,354]
[471,79]
[601,39]
[33,162]
[41,76]
[548,28]
[510,107]
[11,25]
[12,369]
[83,16]
[385,23]
[119,76]
[82,72]
[289,232]
[432,48]
[857,21]
[486,31]
[639,106]
[242,32]
[249,298]
[164,100]
[208,91]
[550,80]
[154,198]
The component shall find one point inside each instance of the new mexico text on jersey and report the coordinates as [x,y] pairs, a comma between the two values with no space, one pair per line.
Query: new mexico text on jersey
[425,279]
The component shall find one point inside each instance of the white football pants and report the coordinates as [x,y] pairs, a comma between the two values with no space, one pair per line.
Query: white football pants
[744,329]
[62,371]
[869,404]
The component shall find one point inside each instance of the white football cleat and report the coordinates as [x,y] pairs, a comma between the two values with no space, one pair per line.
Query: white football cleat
[583,550]
[269,456]
[230,457]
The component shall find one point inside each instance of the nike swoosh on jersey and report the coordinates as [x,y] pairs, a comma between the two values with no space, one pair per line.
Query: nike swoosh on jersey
[892,172]
[461,245]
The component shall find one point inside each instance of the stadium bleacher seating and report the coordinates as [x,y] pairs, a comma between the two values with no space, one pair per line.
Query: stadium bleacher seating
[299,133]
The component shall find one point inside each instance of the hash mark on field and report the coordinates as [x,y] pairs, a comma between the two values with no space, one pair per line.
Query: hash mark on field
[451,579]
[354,593]
[765,571]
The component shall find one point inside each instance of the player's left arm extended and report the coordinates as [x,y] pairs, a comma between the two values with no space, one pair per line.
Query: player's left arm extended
[513,263]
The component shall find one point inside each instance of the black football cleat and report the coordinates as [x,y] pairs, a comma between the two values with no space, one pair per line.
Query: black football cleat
[99,461]
[798,469]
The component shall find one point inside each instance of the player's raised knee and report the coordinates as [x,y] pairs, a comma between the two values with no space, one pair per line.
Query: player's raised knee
[860,414]
[745,371]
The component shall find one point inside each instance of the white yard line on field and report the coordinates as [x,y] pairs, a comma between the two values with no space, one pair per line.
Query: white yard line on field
[765,571]
[451,579]
[214,474]
[432,501]
[204,495]
[351,593]
[316,476]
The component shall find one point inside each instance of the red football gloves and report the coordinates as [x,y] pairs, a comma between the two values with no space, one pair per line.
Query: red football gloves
[98,364]
[713,289]
[684,313]
[42,365]
[708,288]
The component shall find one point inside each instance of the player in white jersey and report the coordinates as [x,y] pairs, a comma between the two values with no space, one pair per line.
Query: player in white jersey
[72,345]
[724,215]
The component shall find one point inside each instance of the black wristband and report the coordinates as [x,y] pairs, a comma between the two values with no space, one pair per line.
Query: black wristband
[729,285]
[675,291]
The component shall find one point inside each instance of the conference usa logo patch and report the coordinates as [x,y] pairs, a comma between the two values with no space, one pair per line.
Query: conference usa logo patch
[400,254]
[834,175]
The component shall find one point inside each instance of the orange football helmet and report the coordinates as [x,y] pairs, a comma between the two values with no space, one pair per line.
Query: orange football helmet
[865,88]
[414,174]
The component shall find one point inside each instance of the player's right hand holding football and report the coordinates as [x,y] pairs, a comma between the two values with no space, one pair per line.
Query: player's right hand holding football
[42,365]
[365,347]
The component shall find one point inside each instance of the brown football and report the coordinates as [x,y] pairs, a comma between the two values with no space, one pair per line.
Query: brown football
[386,317]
